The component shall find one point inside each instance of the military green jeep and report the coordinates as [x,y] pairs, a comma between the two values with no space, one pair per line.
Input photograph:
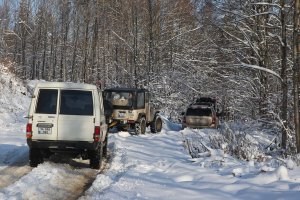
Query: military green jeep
[131,109]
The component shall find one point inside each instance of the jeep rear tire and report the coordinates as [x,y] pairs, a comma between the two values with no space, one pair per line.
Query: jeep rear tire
[156,124]
[96,157]
[140,126]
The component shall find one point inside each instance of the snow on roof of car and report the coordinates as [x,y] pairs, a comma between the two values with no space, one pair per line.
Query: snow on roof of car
[117,89]
[65,85]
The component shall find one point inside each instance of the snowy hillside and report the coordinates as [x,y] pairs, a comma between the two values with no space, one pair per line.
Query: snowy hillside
[13,99]
[150,166]
[14,103]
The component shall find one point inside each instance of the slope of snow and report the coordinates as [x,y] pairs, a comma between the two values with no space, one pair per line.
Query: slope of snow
[13,107]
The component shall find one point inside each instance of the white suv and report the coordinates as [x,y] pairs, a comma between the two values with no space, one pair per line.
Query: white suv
[66,118]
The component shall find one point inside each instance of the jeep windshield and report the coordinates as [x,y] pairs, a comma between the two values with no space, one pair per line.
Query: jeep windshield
[120,99]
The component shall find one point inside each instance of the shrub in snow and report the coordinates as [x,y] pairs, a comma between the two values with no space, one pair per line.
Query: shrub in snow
[246,141]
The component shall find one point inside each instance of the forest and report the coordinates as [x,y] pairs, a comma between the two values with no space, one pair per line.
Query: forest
[243,52]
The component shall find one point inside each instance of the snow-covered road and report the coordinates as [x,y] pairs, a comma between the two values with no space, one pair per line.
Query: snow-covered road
[151,166]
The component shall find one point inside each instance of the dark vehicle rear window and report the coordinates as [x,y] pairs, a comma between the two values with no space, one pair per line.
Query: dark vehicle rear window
[198,111]
[47,101]
[76,102]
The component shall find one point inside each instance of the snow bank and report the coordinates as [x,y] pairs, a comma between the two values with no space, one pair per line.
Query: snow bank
[157,166]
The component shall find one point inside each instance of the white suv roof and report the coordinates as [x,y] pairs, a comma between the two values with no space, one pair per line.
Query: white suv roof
[65,85]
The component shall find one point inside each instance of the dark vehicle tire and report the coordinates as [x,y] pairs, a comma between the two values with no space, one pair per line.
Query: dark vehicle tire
[156,124]
[140,126]
[104,151]
[96,157]
[35,157]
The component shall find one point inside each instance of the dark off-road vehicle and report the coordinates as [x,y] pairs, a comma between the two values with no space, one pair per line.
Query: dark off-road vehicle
[131,109]
[201,114]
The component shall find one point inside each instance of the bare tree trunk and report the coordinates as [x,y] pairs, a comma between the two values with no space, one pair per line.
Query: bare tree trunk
[150,30]
[284,87]
[84,75]
[55,59]
[94,47]
[135,50]
[33,73]
[64,30]
[75,32]
[296,71]
[44,54]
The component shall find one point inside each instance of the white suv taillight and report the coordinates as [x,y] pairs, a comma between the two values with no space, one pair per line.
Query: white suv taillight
[29,130]
[97,134]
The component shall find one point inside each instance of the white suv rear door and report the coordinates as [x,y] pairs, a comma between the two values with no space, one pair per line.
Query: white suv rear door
[44,120]
[76,115]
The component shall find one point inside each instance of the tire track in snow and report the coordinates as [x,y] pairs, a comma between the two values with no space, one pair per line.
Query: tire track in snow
[115,169]
[11,174]
[105,166]
[14,171]
[64,180]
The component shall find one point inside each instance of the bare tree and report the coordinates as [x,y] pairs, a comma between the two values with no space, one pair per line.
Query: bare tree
[296,45]
[284,87]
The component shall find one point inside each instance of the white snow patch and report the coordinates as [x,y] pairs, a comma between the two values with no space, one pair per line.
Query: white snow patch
[282,173]
[290,164]
[184,178]
[124,134]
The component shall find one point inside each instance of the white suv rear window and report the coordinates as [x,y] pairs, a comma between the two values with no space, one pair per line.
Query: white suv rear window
[76,102]
[47,100]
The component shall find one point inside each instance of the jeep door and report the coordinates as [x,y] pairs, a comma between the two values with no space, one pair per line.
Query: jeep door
[44,120]
[76,115]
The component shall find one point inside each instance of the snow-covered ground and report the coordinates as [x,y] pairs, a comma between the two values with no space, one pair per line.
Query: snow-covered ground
[150,166]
